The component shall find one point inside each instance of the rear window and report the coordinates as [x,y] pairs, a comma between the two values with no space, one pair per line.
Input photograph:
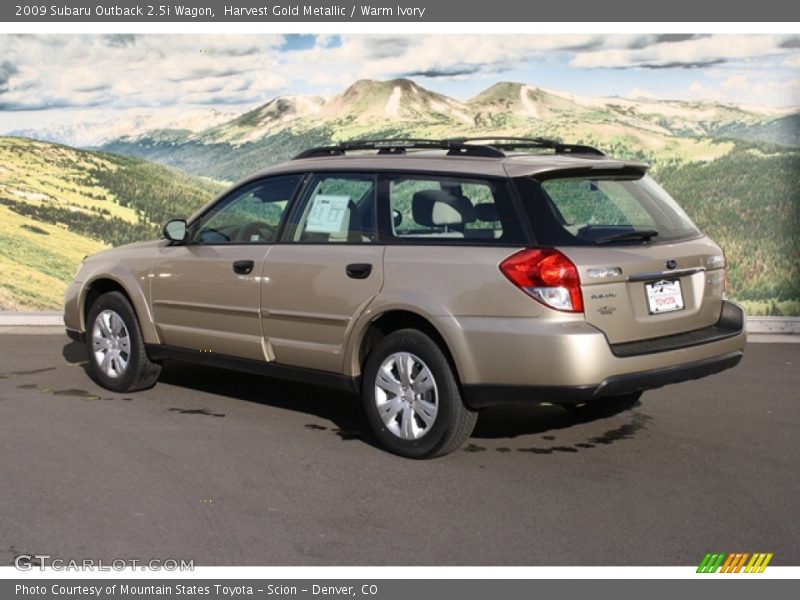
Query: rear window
[604,210]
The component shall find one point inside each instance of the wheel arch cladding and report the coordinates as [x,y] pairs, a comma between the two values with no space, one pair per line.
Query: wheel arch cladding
[104,284]
[395,320]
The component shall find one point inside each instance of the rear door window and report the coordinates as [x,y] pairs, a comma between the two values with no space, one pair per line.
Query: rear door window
[335,208]
[438,209]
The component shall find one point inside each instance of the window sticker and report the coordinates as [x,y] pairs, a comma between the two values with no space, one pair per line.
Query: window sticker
[327,214]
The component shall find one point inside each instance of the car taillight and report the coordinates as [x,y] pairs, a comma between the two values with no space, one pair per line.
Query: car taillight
[546,275]
[725,274]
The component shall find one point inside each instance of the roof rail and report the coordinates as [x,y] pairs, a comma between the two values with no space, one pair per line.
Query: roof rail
[399,146]
[464,146]
[518,143]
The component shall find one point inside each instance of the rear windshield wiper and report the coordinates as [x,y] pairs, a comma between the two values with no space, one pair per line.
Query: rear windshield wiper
[639,234]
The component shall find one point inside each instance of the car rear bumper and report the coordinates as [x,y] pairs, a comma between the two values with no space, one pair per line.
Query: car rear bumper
[730,324]
[481,396]
[504,360]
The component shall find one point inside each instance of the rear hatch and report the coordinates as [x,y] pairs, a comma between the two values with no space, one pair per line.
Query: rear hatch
[632,294]
[646,271]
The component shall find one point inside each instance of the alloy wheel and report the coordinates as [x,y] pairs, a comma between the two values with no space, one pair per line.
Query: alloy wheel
[406,395]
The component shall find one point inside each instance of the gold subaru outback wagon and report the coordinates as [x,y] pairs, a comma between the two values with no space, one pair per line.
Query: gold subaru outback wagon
[433,278]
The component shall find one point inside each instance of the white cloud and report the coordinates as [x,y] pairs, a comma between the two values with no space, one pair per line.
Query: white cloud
[707,93]
[335,79]
[784,92]
[156,71]
[767,90]
[737,82]
[696,52]
[136,71]
[792,62]
[446,56]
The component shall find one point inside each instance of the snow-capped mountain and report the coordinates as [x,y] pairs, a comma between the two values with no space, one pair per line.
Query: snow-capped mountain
[96,133]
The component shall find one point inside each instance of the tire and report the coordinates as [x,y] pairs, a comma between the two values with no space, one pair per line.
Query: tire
[114,343]
[427,417]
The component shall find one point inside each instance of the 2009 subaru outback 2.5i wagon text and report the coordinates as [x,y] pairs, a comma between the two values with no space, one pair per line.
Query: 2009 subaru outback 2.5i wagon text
[434,278]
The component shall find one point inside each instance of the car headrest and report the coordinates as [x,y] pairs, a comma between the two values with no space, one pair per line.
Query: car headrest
[486,211]
[435,208]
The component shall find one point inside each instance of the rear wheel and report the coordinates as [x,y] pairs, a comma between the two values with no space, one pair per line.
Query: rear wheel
[117,358]
[412,399]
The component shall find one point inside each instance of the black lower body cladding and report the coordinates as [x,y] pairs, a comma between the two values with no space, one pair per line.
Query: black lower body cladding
[483,396]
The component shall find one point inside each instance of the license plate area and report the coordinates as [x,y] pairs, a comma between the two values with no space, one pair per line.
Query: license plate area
[664,296]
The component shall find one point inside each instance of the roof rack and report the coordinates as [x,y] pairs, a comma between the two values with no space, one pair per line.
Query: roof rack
[455,147]
[399,146]
[520,143]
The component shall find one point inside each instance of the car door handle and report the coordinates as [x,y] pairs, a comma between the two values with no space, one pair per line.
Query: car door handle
[243,267]
[358,270]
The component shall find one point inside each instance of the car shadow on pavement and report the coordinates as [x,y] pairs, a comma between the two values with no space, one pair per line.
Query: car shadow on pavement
[522,419]
[341,409]
[344,410]
[75,354]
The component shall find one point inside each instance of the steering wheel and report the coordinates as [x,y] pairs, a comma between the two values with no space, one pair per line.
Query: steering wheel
[263,231]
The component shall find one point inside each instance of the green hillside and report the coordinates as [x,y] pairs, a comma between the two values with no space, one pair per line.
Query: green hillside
[783,130]
[221,160]
[58,204]
[748,201]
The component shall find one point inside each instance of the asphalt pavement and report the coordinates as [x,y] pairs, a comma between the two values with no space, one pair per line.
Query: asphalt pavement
[231,469]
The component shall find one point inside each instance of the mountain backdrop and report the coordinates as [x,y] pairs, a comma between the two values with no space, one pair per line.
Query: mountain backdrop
[735,169]
[656,130]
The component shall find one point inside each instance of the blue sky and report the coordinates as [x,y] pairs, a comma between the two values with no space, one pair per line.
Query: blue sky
[62,79]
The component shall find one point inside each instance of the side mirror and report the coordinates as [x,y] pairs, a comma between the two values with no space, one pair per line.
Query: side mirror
[175,230]
[397,217]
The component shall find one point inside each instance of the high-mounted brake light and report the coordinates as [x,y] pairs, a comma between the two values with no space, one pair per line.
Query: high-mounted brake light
[546,275]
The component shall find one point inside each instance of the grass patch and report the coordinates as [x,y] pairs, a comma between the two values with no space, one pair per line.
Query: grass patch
[771,308]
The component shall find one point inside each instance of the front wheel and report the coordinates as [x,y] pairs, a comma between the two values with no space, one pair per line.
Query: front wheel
[412,399]
[117,358]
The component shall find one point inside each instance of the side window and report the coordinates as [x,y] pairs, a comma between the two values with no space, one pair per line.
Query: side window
[440,208]
[249,215]
[336,208]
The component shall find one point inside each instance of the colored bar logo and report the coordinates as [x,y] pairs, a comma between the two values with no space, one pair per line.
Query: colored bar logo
[735,562]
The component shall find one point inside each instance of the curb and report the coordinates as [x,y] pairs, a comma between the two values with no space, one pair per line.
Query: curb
[776,325]
[31,319]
